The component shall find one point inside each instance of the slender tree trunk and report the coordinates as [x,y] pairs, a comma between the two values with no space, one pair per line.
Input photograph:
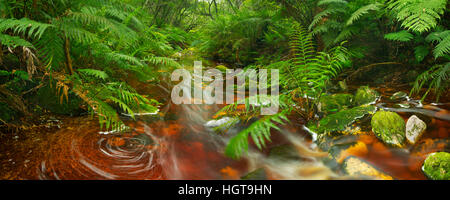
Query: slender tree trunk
[67,53]
[1,54]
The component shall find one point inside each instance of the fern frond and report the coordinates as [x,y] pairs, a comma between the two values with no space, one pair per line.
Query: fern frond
[443,48]
[319,17]
[96,73]
[50,49]
[363,11]
[442,39]
[401,36]
[346,33]
[14,41]
[437,78]
[418,15]
[164,61]
[259,131]
[126,58]
[302,46]
[25,26]
[77,33]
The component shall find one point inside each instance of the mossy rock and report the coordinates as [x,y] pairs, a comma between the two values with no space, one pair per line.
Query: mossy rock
[398,96]
[389,127]
[335,102]
[342,119]
[258,174]
[47,99]
[364,95]
[437,166]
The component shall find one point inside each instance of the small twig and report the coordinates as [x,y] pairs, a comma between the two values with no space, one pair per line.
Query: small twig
[33,89]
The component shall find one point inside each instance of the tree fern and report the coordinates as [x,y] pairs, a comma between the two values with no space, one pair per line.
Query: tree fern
[418,15]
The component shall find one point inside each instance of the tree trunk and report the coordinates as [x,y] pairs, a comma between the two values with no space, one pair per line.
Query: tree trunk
[67,53]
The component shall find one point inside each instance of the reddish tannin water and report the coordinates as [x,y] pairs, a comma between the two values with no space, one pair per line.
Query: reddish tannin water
[175,144]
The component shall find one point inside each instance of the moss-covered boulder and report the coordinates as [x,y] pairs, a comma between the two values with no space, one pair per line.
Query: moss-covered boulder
[341,120]
[389,127]
[437,166]
[364,95]
[335,102]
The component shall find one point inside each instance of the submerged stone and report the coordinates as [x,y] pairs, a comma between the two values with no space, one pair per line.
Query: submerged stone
[335,102]
[144,139]
[258,174]
[437,166]
[398,96]
[415,127]
[354,166]
[341,120]
[364,95]
[284,152]
[389,127]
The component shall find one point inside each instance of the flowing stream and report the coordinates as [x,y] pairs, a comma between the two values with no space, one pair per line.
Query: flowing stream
[179,143]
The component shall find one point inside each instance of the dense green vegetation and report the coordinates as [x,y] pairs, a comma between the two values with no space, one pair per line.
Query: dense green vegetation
[75,56]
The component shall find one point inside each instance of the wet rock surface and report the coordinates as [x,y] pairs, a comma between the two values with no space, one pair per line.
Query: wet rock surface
[364,95]
[389,127]
[437,166]
[398,96]
[341,120]
[354,166]
[335,102]
[415,127]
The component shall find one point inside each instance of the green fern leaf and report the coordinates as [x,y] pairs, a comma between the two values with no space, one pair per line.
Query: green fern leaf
[401,36]
[96,73]
[363,11]
[418,15]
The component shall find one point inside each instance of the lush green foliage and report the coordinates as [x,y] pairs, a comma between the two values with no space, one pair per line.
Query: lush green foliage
[88,48]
